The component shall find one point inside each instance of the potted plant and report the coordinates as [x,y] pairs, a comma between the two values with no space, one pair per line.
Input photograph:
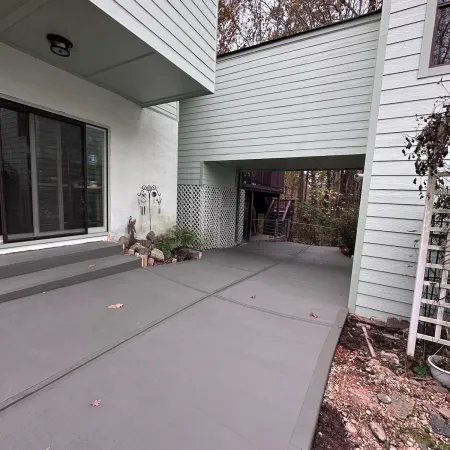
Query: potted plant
[440,369]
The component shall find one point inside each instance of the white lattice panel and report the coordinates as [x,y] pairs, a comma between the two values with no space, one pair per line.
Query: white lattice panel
[210,211]
[209,216]
[241,217]
[227,218]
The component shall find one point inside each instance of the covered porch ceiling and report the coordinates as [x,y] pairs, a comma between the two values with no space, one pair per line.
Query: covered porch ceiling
[104,52]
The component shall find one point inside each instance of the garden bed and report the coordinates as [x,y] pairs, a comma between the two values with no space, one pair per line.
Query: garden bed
[388,396]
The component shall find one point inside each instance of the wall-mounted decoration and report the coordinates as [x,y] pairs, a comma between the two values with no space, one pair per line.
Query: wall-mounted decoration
[145,196]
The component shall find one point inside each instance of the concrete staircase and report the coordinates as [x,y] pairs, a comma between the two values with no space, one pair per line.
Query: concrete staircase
[28,273]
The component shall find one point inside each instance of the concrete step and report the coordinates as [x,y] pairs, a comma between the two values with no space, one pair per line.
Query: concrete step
[20,263]
[65,275]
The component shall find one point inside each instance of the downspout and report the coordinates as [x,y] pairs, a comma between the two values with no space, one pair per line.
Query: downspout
[373,122]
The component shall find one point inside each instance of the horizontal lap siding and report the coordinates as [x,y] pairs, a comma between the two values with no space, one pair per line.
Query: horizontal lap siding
[168,109]
[183,31]
[395,212]
[305,96]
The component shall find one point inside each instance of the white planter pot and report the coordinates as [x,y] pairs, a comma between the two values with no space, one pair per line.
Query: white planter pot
[437,373]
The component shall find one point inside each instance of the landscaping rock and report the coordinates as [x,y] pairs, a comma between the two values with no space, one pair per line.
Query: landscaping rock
[389,357]
[157,254]
[150,262]
[445,413]
[392,322]
[351,429]
[402,405]
[195,254]
[439,425]
[124,241]
[151,236]
[415,382]
[384,398]
[378,431]
[136,246]
[373,366]
[147,244]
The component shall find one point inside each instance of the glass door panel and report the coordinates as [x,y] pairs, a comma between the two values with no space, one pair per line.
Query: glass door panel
[16,174]
[59,177]
[73,174]
[96,173]
[48,175]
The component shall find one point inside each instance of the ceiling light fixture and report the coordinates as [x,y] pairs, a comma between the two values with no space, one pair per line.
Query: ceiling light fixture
[59,45]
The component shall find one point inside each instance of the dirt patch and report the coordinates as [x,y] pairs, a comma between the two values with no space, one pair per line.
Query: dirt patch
[331,434]
[391,391]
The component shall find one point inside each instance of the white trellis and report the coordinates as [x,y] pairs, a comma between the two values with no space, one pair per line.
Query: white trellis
[210,211]
[430,317]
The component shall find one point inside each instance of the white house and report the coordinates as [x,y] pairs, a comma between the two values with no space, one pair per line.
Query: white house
[79,132]
[342,96]
[80,135]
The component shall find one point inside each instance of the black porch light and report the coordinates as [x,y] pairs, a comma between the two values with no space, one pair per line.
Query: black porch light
[59,45]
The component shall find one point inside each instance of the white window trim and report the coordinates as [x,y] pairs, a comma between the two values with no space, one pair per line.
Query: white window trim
[425,55]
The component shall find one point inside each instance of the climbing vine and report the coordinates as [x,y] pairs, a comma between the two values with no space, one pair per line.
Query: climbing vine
[429,146]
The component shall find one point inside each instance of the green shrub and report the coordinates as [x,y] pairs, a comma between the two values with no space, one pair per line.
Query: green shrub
[347,225]
[175,239]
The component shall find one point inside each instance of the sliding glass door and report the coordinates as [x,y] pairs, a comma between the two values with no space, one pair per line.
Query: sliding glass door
[52,175]
[58,177]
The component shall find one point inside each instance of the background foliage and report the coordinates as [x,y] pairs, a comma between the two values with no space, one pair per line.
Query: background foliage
[243,23]
[326,206]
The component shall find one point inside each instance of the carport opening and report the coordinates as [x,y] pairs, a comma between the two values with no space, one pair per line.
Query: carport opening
[313,207]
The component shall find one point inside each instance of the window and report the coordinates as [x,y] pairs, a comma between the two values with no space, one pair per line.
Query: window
[440,49]
[435,56]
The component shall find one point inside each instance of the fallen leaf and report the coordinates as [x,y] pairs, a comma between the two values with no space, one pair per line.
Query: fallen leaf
[116,306]
[312,314]
[96,402]
[253,296]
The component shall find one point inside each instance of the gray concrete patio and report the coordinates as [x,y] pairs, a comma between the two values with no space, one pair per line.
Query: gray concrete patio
[217,354]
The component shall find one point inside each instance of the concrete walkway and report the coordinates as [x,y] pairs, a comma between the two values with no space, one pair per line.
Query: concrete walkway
[217,354]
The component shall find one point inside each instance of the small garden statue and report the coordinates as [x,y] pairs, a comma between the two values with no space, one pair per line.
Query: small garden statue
[131,227]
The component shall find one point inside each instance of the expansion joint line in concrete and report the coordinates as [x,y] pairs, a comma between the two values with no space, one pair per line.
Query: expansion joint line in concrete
[276,313]
[136,334]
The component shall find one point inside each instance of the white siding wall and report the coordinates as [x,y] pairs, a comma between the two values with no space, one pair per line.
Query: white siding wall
[395,213]
[142,142]
[184,31]
[304,96]
[168,109]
